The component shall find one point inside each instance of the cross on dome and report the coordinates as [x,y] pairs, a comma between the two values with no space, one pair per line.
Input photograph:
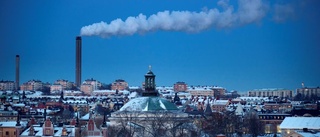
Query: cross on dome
[150,67]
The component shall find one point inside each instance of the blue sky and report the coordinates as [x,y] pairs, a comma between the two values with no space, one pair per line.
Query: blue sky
[275,44]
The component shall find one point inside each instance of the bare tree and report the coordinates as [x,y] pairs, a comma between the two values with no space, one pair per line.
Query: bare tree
[123,120]
[252,124]
[153,124]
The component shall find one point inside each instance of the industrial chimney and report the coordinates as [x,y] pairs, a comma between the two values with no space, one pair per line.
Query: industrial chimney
[17,72]
[78,61]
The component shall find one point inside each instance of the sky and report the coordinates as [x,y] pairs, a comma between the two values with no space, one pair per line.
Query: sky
[239,45]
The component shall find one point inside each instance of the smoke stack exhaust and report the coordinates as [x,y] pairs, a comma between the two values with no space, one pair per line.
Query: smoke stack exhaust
[78,61]
[17,72]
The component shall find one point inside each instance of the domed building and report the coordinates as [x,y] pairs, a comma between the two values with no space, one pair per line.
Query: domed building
[150,115]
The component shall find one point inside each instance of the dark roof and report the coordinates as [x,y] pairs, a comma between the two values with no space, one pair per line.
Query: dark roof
[149,73]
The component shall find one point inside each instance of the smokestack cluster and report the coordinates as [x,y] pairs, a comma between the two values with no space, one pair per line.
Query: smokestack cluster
[78,60]
[248,11]
[17,72]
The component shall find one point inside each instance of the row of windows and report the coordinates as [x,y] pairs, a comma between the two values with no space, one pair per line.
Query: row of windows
[8,133]
[271,117]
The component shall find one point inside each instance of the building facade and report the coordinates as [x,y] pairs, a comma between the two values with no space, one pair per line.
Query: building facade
[270,93]
[180,86]
[271,121]
[32,85]
[119,84]
[305,91]
[87,89]
[201,91]
[66,85]
[90,85]
[218,91]
[56,88]
[7,85]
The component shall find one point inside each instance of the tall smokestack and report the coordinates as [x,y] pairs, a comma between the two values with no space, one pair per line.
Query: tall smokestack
[78,61]
[17,72]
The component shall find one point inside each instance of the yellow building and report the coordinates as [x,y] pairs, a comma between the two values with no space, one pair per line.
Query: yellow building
[11,129]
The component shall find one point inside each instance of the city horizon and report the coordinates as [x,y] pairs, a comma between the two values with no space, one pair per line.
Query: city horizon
[209,43]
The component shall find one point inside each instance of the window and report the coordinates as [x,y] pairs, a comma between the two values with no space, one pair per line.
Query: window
[7,132]
[48,132]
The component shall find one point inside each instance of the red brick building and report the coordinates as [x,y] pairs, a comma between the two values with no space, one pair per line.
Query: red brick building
[180,86]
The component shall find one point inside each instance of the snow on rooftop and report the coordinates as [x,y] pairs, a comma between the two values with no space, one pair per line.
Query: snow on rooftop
[71,91]
[57,131]
[35,94]
[300,123]
[308,134]
[268,89]
[148,104]
[18,105]
[134,87]
[70,101]
[11,123]
[133,95]
[162,105]
[220,102]
[85,117]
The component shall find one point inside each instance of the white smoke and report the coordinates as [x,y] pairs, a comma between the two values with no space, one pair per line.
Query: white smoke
[249,11]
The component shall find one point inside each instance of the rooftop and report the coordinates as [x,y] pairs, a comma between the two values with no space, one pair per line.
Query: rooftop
[300,123]
[148,104]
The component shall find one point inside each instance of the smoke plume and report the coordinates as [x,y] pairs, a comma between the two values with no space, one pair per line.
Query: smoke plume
[248,11]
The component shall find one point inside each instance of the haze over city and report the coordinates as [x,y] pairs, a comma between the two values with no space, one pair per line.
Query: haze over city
[239,45]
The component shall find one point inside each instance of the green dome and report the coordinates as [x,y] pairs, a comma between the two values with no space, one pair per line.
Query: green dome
[149,104]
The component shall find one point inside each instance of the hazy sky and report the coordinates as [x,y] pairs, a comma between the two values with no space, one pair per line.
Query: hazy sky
[239,45]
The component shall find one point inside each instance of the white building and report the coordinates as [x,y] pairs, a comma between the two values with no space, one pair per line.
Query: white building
[291,125]
[7,85]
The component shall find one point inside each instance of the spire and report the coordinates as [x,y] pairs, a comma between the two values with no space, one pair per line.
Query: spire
[18,120]
[150,85]
[31,131]
[61,97]
[45,114]
[77,123]
[104,124]
[208,110]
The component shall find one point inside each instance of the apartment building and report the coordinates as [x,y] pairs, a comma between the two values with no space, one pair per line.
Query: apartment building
[119,84]
[32,85]
[7,85]
[270,92]
[201,91]
[309,91]
[180,86]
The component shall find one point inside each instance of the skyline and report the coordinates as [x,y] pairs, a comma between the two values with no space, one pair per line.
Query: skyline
[275,46]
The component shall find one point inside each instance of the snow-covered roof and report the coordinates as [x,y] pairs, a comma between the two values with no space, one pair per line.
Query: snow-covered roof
[148,104]
[220,102]
[239,110]
[300,123]
[71,91]
[85,117]
[11,123]
[199,89]
[70,101]
[111,91]
[35,94]
[18,105]
[164,88]
[133,95]
[308,134]
[268,89]
[57,131]
[134,87]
